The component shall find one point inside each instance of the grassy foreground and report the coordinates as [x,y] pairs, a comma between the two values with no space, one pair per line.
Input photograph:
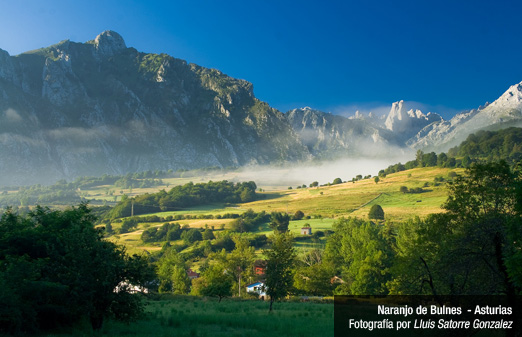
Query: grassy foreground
[196,316]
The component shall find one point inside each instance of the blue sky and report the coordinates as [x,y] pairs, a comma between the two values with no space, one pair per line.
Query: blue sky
[335,56]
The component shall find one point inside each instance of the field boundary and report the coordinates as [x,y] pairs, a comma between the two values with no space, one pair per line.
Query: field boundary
[358,208]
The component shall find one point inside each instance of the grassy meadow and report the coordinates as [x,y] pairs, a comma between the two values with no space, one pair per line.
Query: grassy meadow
[322,204]
[195,316]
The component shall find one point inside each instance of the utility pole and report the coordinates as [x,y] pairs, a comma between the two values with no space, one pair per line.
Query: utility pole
[239,280]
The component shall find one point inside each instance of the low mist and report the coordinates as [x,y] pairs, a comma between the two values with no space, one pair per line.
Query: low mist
[323,172]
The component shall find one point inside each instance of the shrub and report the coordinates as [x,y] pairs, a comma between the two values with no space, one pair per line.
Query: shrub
[298,215]
[376,212]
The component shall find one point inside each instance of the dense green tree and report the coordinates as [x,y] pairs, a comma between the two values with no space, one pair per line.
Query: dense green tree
[55,268]
[186,195]
[337,181]
[192,235]
[174,232]
[474,247]
[180,280]
[128,225]
[442,158]
[314,280]
[312,275]
[239,261]
[376,179]
[279,222]
[108,228]
[452,162]
[466,161]
[249,221]
[418,158]
[429,159]
[362,252]
[247,195]
[403,189]
[280,260]
[376,212]
[208,234]
[217,282]
[298,215]
[166,266]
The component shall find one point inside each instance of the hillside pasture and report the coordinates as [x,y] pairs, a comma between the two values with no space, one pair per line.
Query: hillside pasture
[356,198]
[322,204]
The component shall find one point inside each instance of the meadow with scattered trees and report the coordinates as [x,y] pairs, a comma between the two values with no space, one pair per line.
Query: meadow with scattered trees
[60,269]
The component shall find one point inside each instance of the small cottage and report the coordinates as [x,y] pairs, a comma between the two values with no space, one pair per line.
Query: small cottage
[306,230]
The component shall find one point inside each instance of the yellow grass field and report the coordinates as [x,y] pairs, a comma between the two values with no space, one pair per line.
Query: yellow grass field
[322,204]
[355,199]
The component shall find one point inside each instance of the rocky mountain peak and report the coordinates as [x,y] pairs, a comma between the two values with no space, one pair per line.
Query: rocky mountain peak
[408,122]
[109,43]
[511,99]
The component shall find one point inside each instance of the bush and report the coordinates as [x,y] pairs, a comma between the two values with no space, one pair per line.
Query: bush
[208,234]
[192,235]
[376,212]
[298,215]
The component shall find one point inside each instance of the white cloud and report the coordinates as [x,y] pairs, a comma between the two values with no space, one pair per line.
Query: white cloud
[12,116]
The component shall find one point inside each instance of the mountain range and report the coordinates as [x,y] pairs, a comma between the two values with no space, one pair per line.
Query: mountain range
[100,107]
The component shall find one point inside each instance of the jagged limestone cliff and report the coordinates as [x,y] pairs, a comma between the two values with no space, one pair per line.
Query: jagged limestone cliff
[100,107]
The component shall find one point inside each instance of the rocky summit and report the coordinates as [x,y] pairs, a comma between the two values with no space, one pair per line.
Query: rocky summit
[329,136]
[441,135]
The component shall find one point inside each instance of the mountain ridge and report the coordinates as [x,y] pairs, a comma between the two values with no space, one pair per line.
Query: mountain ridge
[100,107]
[441,135]
[82,109]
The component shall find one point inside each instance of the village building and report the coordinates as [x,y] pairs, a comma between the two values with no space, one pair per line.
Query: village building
[260,267]
[258,288]
[306,230]
[192,274]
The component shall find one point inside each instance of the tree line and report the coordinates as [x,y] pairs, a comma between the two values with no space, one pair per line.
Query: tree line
[184,196]
[482,146]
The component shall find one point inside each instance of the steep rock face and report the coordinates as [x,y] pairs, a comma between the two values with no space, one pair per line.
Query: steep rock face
[330,136]
[99,107]
[408,123]
[109,43]
[504,112]
[6,66]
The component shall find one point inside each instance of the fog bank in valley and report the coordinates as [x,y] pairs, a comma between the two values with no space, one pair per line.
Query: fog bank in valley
[322,172]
